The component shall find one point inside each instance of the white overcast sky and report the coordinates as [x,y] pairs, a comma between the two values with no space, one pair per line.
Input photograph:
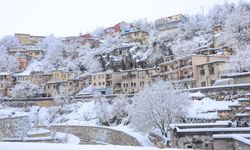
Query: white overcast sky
[70,17]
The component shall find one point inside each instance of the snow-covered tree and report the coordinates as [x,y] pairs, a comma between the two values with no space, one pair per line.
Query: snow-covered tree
[157,106]
[103,110]
[55,51]
[240,62]
[7,62]
[120,108]
[237,27]
[26,90]
[61,98]
[9,42]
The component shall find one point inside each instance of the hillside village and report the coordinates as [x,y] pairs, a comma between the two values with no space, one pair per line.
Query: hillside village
[51,86]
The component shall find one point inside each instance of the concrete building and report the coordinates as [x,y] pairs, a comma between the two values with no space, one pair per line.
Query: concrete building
[106,82]
[134,80]
[136,36]
[6,83]
[169,24]
[185,69]
[27,39]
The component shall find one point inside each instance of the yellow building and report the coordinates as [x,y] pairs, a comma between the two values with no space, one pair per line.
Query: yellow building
[27,39]
[136,36]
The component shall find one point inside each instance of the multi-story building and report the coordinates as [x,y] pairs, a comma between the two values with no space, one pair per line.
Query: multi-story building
[169,23]
[27,39]
[134,80]
[208,73]
[6,83]
[59,75]
[185,69]
[66,88]
[106,82]
[136,36]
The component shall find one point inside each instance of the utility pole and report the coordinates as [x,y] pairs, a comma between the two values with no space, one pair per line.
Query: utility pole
[202,9]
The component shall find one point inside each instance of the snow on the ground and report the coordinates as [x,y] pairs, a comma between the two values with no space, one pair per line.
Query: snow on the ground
[71,139]
[197,94]
[34,65]
[38,131]
[47,146]
[142,138]
[201,108]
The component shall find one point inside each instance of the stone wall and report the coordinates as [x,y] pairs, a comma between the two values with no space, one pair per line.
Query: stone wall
[238,145]
[223,144]
[229,144]
[220,92]
[90,135]
[16,126]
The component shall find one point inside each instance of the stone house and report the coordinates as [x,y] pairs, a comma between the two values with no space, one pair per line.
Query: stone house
[200,136]
[136,36]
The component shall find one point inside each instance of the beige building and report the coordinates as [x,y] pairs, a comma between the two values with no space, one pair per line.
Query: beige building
[134,80]
[185,69]
[6,83]
[136,36]
[30,52]
[27,39]
[106,82]
[169,24]
[208,73]
[59,75]
[67,88]
[129,81]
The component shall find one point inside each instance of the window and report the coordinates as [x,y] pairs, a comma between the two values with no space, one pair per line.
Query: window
[203,84]
[100,83]
[94,84]
[103,83]
[202,72]
[211,70]
[141,83]
[212,82]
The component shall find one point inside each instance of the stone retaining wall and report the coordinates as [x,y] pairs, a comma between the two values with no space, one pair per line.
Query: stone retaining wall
[89,134]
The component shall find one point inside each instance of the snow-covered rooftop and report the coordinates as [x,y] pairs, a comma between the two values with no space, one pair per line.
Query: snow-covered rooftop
[196,130]
[239,137]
